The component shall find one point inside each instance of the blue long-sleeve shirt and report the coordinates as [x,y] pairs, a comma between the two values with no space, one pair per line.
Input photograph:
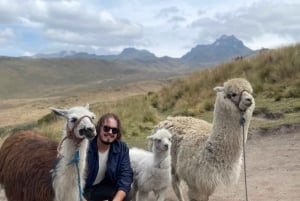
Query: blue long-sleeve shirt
[118,170]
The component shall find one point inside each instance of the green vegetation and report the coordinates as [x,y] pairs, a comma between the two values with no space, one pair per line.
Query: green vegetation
[137,116]
[274,75]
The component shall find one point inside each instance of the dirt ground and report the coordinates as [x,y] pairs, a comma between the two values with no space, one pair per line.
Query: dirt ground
[273,170]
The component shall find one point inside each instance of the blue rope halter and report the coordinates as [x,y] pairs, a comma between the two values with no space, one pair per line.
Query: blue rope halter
[75,161]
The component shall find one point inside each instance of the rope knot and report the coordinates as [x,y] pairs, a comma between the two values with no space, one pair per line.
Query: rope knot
[75,158]
[242,121]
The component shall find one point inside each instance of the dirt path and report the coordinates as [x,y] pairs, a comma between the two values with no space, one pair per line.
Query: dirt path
[273,171]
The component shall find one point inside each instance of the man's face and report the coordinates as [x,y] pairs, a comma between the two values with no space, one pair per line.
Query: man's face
[109,131]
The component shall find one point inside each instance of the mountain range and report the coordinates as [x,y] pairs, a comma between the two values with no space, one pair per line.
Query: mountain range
[223,49]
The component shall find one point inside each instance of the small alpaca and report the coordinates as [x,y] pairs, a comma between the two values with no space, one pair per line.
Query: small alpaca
[205,155]
[152,170]
[32,170]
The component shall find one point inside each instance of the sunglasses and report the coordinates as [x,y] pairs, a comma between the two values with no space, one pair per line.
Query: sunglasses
[113,130]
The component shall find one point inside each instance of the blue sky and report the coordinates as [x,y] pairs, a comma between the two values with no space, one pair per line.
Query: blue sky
[164,27]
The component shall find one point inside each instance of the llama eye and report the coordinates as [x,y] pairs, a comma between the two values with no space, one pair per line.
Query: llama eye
[73,120]
[233,94]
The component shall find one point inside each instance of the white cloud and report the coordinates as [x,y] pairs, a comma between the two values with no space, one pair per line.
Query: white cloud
[270,40]
[71,22]
[166,12]
[8,11]
[6,36]
[166,27]
[254,24]
[28,54]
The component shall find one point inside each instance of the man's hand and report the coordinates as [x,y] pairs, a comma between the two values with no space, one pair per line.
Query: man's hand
[120,195]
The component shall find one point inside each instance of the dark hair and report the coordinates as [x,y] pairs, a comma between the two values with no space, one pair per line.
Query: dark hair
[106,116]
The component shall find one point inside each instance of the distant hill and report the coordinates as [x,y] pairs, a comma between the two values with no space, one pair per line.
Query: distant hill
[126,54]
[223,49]
[132,53]
[27,77]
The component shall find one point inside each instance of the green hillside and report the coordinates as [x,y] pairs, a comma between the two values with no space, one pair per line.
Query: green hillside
[32,78]
[273,74]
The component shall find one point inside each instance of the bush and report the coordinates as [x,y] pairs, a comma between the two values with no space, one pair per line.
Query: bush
[49,118]
[149,116]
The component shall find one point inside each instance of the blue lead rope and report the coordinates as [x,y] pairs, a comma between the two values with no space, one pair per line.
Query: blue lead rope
[75,160]
[243,120]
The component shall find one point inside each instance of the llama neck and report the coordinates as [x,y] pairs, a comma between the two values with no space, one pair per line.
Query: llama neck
[162,160]
[69,148]
[226,140]
[65,181]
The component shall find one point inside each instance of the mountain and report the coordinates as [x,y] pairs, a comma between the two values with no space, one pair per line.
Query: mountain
[132,53]
[223,49]
[126,54]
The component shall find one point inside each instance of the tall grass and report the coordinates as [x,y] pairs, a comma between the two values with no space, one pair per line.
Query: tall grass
[273,74]
[137,117]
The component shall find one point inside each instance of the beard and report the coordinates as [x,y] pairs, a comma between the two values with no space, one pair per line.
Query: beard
[106,142]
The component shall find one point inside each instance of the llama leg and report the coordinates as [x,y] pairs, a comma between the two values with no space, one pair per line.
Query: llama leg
[134,194]
[160,195]
[176,186]
[143,196]
[197,195]
[134,191]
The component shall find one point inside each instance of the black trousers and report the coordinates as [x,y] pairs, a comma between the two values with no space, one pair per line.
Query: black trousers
[105,190]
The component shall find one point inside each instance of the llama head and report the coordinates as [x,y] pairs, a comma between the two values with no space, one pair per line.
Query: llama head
[237,93]
[79,121]
[160,140]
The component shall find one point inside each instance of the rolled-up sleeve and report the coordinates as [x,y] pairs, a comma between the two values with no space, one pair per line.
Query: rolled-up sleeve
[119,170]
[124,172]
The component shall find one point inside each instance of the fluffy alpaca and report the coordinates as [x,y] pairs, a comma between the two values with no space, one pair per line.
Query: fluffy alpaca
[205,155]
[30,168]
[152,170]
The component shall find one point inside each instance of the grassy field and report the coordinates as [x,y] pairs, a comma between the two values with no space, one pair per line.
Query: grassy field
[274,75]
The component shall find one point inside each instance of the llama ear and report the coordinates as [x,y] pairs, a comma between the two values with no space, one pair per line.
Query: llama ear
[59,112]
[219,89]
[87,106]
[150,137]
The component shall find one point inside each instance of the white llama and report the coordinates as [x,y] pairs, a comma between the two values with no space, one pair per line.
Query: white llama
[31,169]
[205,155]
[152,170]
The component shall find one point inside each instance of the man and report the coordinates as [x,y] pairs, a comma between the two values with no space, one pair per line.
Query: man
[109,174]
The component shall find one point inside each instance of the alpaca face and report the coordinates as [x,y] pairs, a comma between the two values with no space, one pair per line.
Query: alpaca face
[246,101]
[238,91]
[161,144]
[79,121]
[161,140]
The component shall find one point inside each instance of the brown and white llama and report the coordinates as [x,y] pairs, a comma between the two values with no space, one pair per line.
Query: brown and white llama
[31,169]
